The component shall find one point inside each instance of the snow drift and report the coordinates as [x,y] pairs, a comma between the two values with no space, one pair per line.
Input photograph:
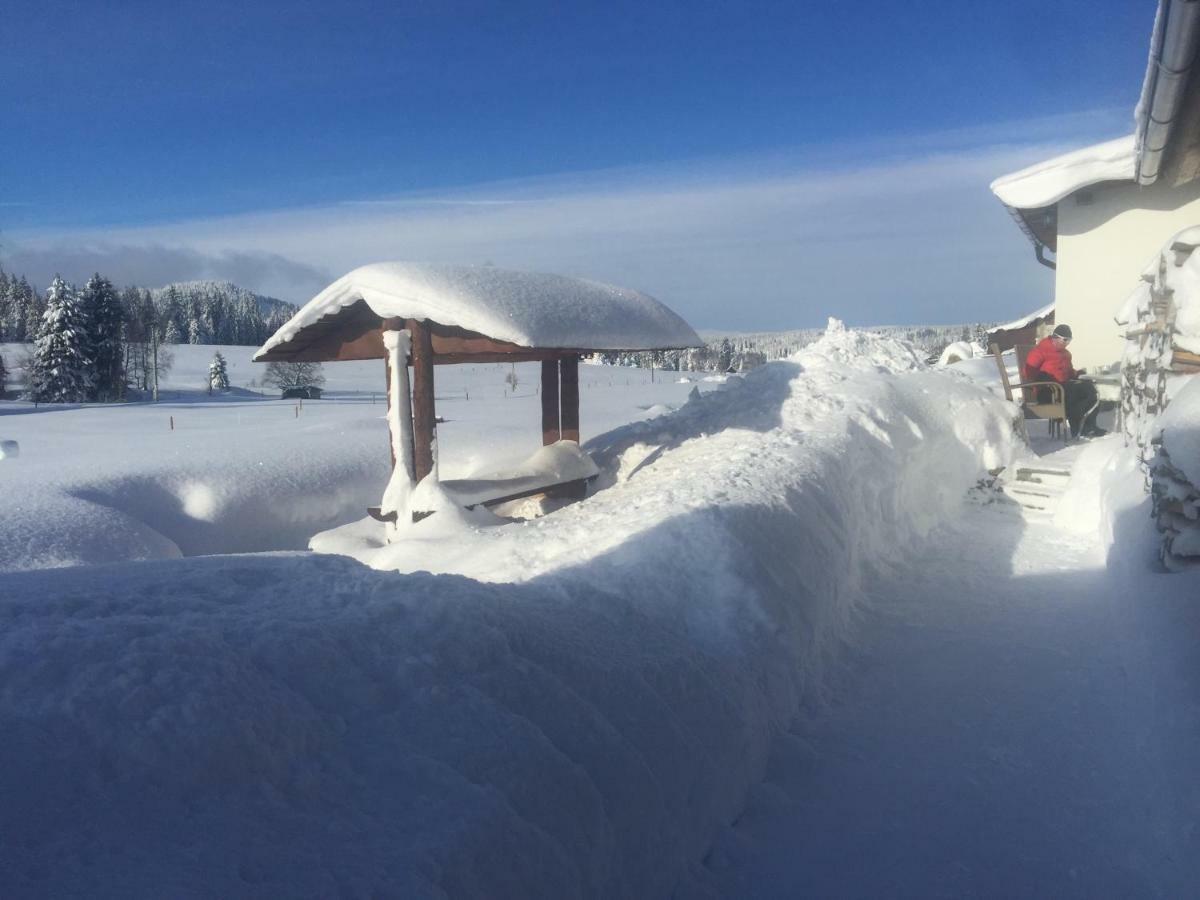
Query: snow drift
[576,719]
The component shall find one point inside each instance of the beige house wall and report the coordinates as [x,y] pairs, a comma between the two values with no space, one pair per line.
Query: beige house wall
[1107,234]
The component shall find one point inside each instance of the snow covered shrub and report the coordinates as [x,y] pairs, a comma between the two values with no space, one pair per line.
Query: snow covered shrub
[218,377]
[284,375]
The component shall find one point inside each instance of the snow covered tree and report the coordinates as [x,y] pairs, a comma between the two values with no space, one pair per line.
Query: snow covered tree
[725,358]
[218,377]
[146,361]
[284,375]
[196,332]
[62,357]
[20,308]
[5,314]
[105,315]
[171,333]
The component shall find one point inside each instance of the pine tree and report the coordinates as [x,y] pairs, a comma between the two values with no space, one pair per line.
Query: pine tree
[725,359]
[105,316]
[196,334]
[5,314]
[35,309]
[171,333]
[22,311]
[218,377]
[62,358]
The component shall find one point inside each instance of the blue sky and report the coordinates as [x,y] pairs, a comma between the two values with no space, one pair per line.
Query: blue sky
[685,149]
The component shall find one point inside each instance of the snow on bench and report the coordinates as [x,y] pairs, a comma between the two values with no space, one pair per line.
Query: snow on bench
[553,469]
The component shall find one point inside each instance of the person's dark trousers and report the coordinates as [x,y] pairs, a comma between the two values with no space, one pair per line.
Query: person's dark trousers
[1081,397]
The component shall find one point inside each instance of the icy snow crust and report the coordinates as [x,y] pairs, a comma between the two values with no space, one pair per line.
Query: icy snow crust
[525,308]
[576,718]
[1048,182]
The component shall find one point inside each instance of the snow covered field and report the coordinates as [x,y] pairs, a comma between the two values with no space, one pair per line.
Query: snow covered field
[245,472]
[578,705]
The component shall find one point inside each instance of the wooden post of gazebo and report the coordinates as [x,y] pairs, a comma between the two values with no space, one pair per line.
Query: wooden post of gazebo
[396,343]
[551,426]
[423,412]
[568,368]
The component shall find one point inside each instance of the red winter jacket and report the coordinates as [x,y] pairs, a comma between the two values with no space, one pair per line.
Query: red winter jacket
[1049,358]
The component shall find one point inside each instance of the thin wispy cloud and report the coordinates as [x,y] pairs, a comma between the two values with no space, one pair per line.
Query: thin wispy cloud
[431,201]
[913,235]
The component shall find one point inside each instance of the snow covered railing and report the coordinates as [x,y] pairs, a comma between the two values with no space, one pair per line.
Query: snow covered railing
[1175,479]
[1162,335]
[1160,391]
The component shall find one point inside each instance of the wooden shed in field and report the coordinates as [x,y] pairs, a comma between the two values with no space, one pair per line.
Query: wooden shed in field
[1028,329]
[424,316]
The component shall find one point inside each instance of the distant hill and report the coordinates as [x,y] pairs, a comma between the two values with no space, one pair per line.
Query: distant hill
[268,306]
[219,312]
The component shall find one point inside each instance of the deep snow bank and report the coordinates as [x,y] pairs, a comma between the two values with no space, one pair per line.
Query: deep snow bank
[581,726]
[214,491]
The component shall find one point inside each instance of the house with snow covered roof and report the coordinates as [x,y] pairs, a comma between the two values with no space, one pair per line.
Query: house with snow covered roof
[1105,211]
[423,316]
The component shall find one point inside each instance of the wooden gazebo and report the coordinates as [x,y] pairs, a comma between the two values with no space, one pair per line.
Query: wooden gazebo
[430,315]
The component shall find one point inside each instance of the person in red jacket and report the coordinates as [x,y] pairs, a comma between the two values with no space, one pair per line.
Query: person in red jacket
[1050,360]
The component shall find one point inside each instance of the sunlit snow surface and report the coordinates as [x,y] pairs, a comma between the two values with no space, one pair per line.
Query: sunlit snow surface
[1019,718]
[575,709]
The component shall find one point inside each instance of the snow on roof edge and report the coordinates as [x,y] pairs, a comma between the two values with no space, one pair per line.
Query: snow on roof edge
[525,308]
[1026,320]
[1049,181]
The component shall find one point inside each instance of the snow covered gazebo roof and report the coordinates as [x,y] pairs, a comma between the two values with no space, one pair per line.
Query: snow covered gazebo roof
[476,313]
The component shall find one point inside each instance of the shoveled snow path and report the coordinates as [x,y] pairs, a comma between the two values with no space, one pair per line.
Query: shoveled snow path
[1020,721]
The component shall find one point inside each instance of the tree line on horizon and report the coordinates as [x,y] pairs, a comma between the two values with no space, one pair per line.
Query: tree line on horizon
[741,353]
[95,343]
[196,312]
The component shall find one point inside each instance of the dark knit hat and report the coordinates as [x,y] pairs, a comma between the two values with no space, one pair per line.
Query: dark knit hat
[1063,331]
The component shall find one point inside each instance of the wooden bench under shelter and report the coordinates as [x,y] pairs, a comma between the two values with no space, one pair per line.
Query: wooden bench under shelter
[422,316]
[1039,399]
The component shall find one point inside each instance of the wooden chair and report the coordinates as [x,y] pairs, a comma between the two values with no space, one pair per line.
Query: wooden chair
[1032,407]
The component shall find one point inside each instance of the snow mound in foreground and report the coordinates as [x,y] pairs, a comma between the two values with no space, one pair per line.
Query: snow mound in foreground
[583,725]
